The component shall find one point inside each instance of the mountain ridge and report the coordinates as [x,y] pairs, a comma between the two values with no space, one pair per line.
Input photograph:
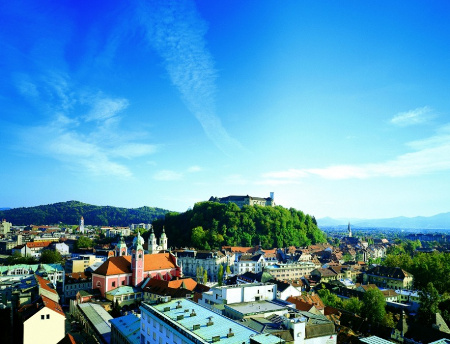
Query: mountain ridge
[438,221]
[70,212]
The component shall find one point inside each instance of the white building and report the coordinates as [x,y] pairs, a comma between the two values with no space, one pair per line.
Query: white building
[191,260]
[62,248]
[238,293]
[114,232]
[146,226]
[184,321]
[246,263]
[44,323]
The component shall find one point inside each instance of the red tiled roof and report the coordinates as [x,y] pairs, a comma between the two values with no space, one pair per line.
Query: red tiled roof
[122,264]
[189,283]
[52,305]
[310,299]
[36,244]
[44,284]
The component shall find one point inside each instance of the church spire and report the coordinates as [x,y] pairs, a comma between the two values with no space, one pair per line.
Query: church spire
[349,229]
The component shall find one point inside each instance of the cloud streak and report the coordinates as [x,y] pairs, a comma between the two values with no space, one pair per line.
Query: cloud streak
[431,155]
[413,117]
[170,175]
[176,32]
[89,144]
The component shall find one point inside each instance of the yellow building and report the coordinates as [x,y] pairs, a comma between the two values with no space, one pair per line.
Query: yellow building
[387,277]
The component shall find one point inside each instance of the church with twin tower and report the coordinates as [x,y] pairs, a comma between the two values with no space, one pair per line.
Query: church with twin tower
[153,247]
[132,270]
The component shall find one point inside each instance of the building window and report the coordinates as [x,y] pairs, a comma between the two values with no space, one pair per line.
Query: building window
[42,317]
[48,316]
[113,284]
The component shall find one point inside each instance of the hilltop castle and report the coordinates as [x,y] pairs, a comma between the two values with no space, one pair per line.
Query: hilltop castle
[240,201]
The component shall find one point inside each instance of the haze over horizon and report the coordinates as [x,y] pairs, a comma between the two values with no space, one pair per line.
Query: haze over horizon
[340,109]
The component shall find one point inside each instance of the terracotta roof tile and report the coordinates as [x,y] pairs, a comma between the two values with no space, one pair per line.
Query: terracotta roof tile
[52,305]
[122,264]
[45,284]
[36,244]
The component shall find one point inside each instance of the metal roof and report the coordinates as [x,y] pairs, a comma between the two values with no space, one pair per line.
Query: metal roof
[256,307]
[179,315]
[123,290]
[374,340]
[129,326]
[99,319]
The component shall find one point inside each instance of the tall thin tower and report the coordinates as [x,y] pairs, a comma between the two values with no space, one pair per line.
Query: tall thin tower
[82,225]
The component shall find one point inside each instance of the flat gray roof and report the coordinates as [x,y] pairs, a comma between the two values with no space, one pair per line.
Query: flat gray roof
[182,317]
[256,307]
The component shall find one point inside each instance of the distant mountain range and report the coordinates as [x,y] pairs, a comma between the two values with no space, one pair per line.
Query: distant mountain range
[439,221]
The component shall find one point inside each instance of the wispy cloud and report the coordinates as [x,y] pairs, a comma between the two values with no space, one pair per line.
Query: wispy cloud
[194,169]
[167,175]
[413,117]
[176,32]
[105,108]
[89,143]
[430,155]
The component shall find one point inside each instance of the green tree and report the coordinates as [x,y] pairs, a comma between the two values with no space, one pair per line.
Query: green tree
[220,275]
[228,270]
[353,305]
[50,257]
[429,303]
[205,276]
[389,320]
[329,299]
[374,305]
[83,242]
[198,237]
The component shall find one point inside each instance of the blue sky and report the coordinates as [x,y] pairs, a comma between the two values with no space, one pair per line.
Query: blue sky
[340,108]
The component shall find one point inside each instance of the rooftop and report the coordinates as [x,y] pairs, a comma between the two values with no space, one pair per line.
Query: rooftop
[129,327]
[187,315]
[99,318]
[256,307]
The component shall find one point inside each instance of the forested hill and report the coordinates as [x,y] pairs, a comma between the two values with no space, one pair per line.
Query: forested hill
[211,225]
[71,212]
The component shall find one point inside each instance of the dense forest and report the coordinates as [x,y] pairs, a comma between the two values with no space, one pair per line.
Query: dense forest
[211,225]
[70,213]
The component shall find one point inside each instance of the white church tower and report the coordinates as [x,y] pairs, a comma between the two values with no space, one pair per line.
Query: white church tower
[153,247]
[163,240]
[82,225]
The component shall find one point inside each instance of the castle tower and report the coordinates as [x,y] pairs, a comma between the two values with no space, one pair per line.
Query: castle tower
[121,248]
[137,261]
[349,230]
[152,246]
[82,225]
[163,240]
